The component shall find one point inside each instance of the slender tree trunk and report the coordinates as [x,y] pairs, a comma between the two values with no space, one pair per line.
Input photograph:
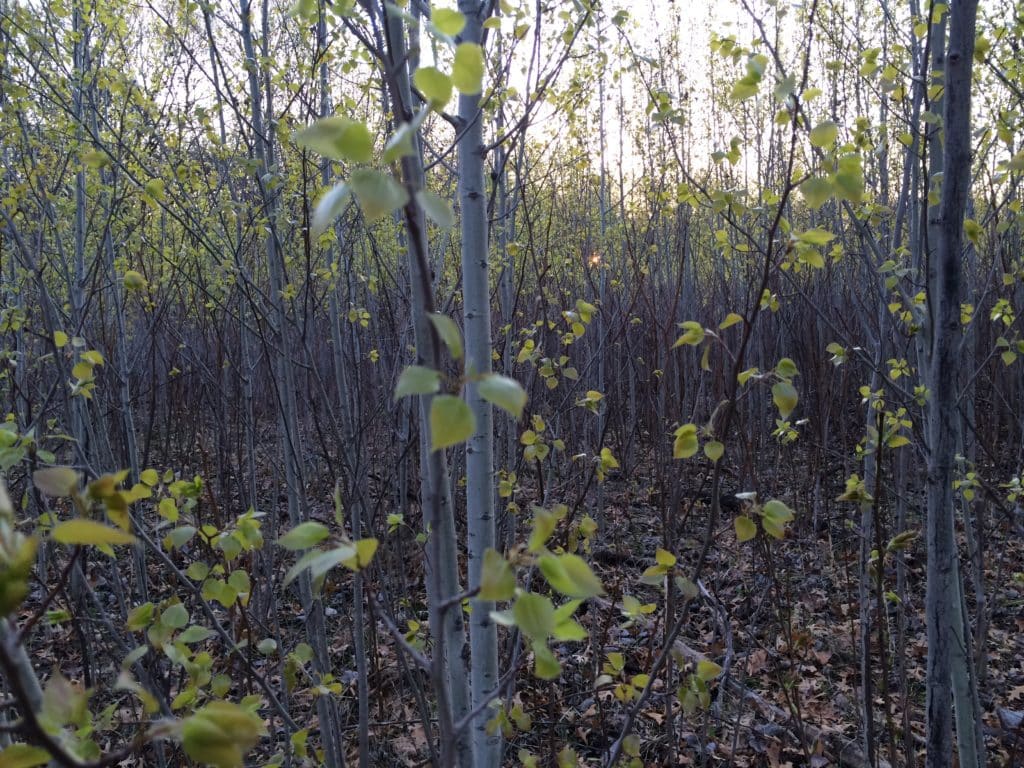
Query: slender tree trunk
[483,635]
[285,385]
[447,625]
[947,667]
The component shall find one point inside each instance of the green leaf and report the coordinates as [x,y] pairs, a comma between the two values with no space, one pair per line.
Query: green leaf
[437,208]
[786,368]
[824,134]
[220,734]
[686,443]
[468,68]
[417,380]
[150,477]
[744,88]
[777,510]
[570,575]
[435,86]
[545,665]
[378,193]
[849,178]
[402,141]
[365,549]
[664,558]
[198,571]
[497,579]
[654,575]
[56,481]
[543,525]
[174,616]
[785,397]
[328,208]
[730,320]
[88,532]
[449,333]
[337,138]
[773,528]
[569,630]
[535,616]
[693,334]
[194,634]
[134,280]
[320,562]
[181,535]
[815,236]
[447,21]
[816,192]
[707,670]
[503,392]
[714,450]
[95,158]
[140,617]
[451,422]
[745,528]
[304,536]
[23,756]
[155,188]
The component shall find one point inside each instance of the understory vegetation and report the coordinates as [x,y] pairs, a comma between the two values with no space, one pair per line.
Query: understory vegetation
[511,383]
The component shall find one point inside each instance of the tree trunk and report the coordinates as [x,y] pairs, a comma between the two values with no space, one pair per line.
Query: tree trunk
[946,668]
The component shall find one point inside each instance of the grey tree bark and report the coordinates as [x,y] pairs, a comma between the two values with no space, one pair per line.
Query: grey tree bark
[948,663]
[263,149]
[483,635]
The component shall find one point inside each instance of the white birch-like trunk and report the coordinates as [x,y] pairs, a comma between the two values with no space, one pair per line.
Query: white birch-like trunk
[483,636]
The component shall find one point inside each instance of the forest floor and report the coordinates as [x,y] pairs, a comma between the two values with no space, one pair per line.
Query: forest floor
[781,617]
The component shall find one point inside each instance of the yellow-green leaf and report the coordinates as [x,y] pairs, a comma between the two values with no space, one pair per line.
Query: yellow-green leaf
[23,756]
[503,392]
[815,236]
[89,532]
[449,333]
[497,579]
[824,134]
[378,193]
[570,575]
[417,380]
[745,528]
[365,549]
[693,334]
[730,320]
[535,616]
[451,422]
[816,192]
[707,670]
[435,86]
[304,536]
[468,68]
[686,443]
[337,138]
[447,21]
[714,450]
[785,397]
[437,208]
[220,733]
